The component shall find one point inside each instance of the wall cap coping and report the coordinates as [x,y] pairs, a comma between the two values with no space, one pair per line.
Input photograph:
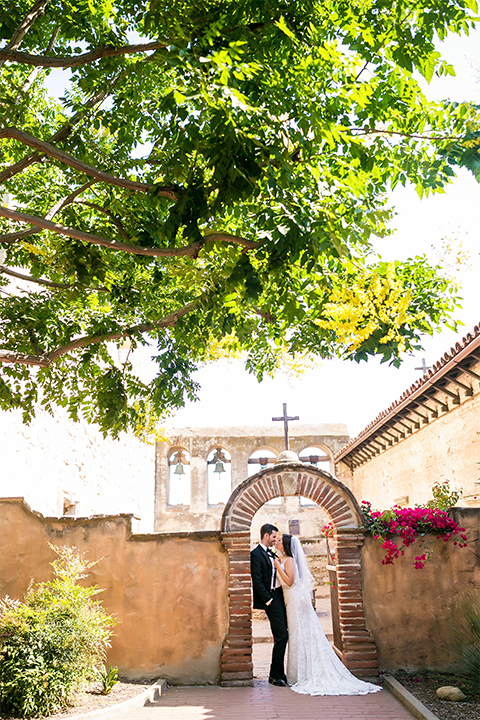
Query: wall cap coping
[245,431]
[126,517]
[67,518]
[147,696]
[181,535]
[408,700]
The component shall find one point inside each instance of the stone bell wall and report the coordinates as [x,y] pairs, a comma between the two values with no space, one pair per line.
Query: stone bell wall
[410,612]
[169,592]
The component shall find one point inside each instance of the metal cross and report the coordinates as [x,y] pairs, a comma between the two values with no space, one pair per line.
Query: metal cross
[285,419]
[424,367]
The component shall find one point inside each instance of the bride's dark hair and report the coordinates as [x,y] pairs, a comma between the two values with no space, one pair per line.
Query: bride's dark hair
[287,545]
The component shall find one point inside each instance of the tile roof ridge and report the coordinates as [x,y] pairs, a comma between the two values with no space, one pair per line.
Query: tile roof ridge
[416,385]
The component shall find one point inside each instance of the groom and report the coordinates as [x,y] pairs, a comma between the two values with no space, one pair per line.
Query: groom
[268,596]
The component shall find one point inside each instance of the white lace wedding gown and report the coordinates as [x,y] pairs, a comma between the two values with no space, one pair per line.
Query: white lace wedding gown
[313,668]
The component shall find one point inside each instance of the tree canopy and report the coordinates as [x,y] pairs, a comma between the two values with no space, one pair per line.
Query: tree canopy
[213,176]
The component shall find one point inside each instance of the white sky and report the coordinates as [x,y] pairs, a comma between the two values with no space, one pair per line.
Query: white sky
[345,392]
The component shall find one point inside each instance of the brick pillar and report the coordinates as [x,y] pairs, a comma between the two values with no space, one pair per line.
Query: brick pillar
[237,665]
[359,649]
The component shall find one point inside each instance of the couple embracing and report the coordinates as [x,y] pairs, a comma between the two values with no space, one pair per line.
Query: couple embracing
[282,586]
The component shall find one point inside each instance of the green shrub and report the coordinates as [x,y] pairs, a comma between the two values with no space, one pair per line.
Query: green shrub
[52,643]
[444,497]
[467,641]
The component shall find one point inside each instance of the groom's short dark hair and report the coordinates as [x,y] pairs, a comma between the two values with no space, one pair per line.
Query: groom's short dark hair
[267,529]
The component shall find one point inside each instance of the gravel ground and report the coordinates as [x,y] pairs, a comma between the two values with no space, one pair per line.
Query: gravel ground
[424,688]
[92,699]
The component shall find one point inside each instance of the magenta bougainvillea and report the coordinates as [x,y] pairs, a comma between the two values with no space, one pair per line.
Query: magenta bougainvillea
[410,524]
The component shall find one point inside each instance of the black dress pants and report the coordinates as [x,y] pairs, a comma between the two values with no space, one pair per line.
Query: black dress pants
[277,616]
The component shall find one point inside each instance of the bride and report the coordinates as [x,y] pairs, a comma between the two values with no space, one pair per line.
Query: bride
[313,668]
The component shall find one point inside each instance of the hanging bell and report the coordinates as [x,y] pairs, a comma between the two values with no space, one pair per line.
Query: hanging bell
[219,467]
[179,469]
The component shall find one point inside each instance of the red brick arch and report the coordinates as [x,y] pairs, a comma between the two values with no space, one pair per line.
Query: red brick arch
[358,648]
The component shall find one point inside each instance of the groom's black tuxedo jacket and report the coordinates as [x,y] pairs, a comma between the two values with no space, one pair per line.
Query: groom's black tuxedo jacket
[261,569]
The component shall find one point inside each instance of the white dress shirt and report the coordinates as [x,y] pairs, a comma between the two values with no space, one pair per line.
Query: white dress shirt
[275,583]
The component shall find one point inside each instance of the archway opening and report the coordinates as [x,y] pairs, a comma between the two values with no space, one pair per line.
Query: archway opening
[179,477]
[309,531]
[357,650]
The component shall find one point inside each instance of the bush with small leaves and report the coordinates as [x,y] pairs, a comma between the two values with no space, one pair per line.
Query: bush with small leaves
[53,641]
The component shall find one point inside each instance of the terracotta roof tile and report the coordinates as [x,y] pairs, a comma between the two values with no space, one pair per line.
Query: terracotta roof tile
[440,367]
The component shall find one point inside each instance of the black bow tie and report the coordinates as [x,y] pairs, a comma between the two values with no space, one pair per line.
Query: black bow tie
[270,552]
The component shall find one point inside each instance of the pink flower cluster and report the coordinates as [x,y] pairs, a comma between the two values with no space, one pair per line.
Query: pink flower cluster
[329,529]
[410,524]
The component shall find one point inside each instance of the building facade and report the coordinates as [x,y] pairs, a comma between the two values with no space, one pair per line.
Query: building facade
[428,436]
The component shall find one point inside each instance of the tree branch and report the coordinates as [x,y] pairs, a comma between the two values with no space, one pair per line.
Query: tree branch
[13,237]
[35,12]
[33,74]
[67,159]
[68,199]
[61,134]
[73,61]
[414,136]
[381,45]
[235,239]
[109,214]
[41,281]
[29,278]
[10,356]
[191,250]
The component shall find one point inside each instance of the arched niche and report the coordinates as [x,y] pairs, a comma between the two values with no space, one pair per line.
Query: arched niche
[219,476]
[358,650]
[179,476]
[318,455]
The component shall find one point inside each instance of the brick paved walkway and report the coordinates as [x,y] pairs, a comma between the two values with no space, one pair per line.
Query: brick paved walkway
[264,702]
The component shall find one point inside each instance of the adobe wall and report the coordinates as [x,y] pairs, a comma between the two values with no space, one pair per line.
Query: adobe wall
[410,612]
[169,592]
[448,448]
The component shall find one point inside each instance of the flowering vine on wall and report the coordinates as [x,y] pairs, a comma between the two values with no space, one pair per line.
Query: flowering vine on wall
[411,524]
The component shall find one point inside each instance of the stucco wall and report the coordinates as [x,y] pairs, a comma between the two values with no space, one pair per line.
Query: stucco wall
[410,612]
[448,448]
[169,592]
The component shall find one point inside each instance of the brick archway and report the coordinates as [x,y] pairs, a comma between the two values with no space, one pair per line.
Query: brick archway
[358,652]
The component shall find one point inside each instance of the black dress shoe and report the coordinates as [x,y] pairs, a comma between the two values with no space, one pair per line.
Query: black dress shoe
[279,682]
